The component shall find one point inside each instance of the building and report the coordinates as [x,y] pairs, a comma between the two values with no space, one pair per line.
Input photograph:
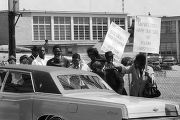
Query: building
[74,31]
[170,37]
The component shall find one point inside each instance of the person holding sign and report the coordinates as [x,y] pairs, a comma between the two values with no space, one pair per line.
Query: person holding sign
[113,75]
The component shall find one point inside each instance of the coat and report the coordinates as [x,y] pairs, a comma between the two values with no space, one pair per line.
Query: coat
[137,83]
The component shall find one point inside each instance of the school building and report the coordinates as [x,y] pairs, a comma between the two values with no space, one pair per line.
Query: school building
[170,37]
[76,31]
[73,31]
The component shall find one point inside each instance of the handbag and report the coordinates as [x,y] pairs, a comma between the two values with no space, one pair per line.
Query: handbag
[151,89]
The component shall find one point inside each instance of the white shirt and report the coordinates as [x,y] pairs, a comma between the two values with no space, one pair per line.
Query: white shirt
[82,66]
[151,72]
[17,79]
[39,61]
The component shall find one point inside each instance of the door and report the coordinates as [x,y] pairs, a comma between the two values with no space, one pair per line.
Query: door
[16,96]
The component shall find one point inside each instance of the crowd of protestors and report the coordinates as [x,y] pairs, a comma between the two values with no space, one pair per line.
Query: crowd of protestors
[103,65]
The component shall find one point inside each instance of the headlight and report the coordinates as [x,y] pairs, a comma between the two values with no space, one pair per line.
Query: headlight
[171,110]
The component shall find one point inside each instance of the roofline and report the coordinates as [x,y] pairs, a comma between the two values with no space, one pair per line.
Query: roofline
[72,12]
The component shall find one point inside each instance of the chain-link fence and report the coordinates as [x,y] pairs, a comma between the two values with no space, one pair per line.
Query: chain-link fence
[168,83]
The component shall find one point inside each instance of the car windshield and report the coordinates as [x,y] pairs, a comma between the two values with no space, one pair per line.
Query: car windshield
[73,82]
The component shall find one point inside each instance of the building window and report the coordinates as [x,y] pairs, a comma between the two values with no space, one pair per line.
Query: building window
[42,27]
[119,21]
[81,28]
[62,28]
[100,27]
[168,27]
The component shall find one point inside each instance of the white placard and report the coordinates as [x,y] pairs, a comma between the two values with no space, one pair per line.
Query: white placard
[147,34]
[115,40]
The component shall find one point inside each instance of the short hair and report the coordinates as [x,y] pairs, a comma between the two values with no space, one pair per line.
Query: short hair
[35,48]
[93,50]
[23,57]
[76,56]
[55,47]
[126,61]
[140,59]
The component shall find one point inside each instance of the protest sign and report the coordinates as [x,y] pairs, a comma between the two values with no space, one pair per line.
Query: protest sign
[115,40]
[147,34]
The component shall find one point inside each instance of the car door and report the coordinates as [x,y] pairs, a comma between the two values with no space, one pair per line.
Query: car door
[16,99]
[2,76]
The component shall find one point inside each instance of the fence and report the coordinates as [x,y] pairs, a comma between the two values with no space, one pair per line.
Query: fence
[168,83]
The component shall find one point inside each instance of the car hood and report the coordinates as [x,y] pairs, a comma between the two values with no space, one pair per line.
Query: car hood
[136,106]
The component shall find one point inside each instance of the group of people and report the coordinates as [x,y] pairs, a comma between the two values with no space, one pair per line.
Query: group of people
[38,57]
[103,65]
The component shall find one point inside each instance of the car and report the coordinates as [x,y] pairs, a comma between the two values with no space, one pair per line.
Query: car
[169,60]
[30,92]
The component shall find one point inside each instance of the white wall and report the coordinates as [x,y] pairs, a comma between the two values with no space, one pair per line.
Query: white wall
[72,5]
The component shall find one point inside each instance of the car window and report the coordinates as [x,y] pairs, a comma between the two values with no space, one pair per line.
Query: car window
[70,82]
[18,82]
[43,82]
[2,76]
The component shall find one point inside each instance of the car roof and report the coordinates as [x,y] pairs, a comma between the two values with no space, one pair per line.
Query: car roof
[49,69]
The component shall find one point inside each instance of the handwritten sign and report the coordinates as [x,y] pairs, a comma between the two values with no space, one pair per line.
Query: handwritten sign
[147,34]
[115,40]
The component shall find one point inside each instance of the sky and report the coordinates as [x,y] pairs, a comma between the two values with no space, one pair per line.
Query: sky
[132,7]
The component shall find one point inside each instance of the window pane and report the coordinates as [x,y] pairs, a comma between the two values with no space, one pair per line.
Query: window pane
[81,28]
[47,20]
[42,32]
[76,32]
[68,32]
[55,20]
[93,20]
[56,32]
[35,20]
[18,82]
[75,20]
[86,20]
[80,20]
[61,20]
[42,27]
[99,20]
[35,28]
[62,32]
[67,20]
[48,32]
[104,20]
[99,29]
[64,26]
[41,20]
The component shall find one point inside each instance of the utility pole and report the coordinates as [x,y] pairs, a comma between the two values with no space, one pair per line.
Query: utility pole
[12,9]
[123,6]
